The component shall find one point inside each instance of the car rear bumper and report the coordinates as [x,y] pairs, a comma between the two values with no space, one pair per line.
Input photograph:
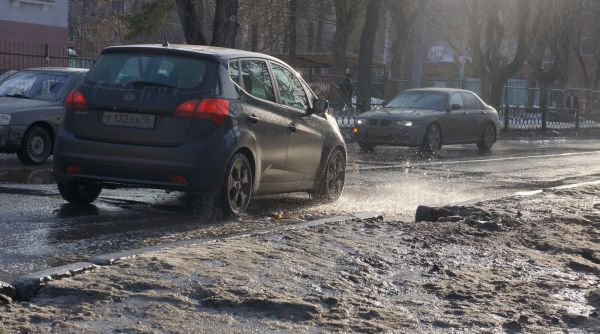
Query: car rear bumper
[391,135]
[10,137]
[202,164]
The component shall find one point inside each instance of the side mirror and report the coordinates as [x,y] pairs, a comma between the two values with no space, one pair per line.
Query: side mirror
[455,107]
[320,106]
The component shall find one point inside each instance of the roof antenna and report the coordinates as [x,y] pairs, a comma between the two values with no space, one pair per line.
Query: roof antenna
[165,40]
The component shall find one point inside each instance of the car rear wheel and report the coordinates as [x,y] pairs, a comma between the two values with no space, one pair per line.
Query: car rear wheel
[36,146]
[237,189]
[433,139]
[488,138]
[332,180]
[79,192]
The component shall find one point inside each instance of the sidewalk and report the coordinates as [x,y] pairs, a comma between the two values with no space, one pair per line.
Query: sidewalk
[522,264]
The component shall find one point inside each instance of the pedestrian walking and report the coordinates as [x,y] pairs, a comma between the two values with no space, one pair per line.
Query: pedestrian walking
[346,92]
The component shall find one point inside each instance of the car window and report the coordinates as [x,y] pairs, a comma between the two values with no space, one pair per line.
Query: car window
[471,102]
[37,85]
[291,92]
[234,71]
[131,69]
[457,99]
[257,80]
[420,100]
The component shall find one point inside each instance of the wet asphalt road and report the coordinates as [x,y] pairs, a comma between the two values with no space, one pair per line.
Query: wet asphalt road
[39,230]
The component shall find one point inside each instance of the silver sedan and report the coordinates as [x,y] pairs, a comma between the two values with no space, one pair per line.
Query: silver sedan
[429,118]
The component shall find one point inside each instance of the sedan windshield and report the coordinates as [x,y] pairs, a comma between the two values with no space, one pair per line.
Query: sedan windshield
[420,100]
[35,85]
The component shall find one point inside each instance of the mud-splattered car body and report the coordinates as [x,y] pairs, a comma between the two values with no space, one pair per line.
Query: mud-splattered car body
[34,99]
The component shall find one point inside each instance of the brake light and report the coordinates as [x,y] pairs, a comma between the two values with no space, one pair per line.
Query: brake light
[182,180]
[214,110]
[73,169]
[75,101]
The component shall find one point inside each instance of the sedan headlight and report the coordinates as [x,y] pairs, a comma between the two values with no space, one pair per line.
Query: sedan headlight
[404,123]
[4,119]
[360,122]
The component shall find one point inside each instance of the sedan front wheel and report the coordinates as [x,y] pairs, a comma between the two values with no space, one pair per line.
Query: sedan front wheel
[433,139]
[332,180]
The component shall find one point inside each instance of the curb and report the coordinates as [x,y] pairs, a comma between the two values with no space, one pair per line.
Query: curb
[25,287]
[7,293]
[111,258]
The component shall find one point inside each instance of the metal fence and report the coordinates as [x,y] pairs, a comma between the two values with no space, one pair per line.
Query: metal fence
[17,56]
[555,119]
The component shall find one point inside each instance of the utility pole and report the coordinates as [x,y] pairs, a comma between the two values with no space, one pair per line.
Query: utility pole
[417,74]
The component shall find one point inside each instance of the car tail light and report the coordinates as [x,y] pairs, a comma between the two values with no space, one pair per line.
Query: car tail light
[178,179]
[75,101]
[214,110]
[73,169]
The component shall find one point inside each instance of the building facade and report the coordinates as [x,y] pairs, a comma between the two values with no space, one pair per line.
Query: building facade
[34,22]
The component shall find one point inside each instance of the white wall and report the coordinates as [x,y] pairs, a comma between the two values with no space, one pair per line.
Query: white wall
[54,13]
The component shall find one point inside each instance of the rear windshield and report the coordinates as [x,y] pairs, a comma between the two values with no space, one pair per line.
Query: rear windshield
[420,100]
[142,70]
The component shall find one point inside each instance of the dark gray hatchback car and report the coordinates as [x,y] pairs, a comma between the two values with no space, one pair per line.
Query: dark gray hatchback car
[208,121]
[31,110]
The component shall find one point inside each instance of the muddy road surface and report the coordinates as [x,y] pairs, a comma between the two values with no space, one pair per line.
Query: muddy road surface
[39,230]
[520,264]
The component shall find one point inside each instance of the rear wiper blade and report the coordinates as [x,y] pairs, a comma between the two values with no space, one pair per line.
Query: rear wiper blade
[151,83]
[19,95]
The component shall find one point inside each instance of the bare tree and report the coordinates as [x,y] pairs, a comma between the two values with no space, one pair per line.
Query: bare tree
[403,14]
[489,21]
[191,22]
[550,46]
[587,42]
[346,13]
[365,60]
[225,23]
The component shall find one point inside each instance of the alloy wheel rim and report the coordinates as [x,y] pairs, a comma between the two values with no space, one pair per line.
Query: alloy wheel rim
[489,135]
[335,175]
[36,146]
[238,186]
[433,138]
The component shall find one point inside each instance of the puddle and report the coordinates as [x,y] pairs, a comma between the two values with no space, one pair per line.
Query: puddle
[36,176]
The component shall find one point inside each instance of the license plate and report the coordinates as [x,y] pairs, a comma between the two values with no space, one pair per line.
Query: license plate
[128,120]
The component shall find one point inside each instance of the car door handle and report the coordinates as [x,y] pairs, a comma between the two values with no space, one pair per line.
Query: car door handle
[465,113]
[292,127]
[253,118]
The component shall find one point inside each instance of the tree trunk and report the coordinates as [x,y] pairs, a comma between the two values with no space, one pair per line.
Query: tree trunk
[254,37]
[345,16]
[544,104]
[225,23]
[365,61]
[292,30]
[190,23]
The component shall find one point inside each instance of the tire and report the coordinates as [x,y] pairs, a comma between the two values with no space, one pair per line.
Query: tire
[79,192]
[331,182]
[433,139]
[36,146]
[366,147]
[237,187]
[488,137]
